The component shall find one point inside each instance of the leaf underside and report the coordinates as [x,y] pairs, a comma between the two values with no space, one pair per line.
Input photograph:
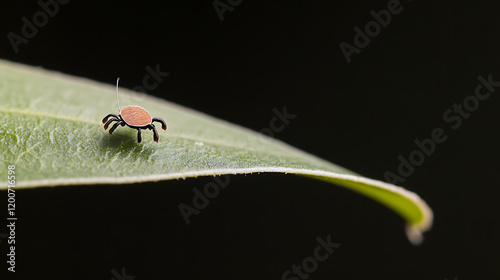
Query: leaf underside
[51,130]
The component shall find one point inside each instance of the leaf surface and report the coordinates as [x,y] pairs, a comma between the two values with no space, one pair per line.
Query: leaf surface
[51,130]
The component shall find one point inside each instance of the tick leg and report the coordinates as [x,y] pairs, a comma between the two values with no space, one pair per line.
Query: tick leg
[115,126]
[160,120]
[107,117]
[109,122]
[155,133]
[139,138]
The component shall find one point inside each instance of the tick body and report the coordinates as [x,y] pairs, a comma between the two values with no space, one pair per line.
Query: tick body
[134,117]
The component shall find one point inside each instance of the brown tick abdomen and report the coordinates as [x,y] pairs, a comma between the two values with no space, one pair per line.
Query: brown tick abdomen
[135,115]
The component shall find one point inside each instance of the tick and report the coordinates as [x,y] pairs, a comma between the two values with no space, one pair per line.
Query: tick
[134,117]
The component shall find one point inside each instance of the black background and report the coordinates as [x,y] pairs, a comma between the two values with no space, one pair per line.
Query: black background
[265,55]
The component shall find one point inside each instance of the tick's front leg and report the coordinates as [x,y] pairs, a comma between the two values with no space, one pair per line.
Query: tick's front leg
[109,115]
[115,126]
[109,122]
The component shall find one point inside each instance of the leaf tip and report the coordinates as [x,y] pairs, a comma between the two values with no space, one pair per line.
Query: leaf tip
[414,235]
[414,232]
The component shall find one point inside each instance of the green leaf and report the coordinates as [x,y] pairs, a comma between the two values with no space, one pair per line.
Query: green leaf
[51,131]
